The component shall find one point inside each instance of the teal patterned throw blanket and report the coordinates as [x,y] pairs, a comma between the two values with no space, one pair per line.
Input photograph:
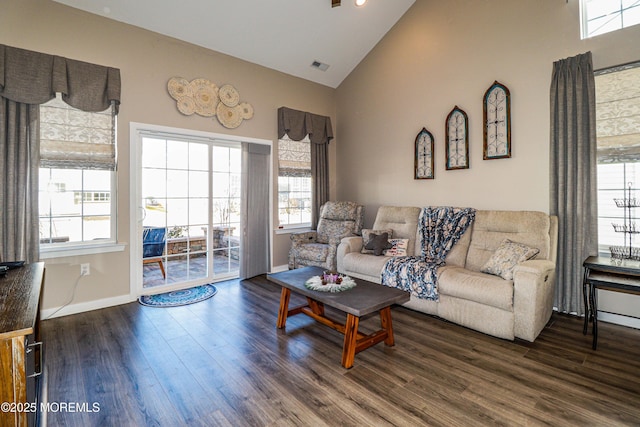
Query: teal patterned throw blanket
[439,229]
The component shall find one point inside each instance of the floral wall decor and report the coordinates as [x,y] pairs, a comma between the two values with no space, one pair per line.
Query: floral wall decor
[205,98]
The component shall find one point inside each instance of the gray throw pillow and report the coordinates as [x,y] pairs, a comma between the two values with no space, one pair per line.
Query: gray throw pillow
[378,243]
[366,233]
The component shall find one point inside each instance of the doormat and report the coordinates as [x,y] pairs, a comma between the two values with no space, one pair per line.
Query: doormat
[180,297]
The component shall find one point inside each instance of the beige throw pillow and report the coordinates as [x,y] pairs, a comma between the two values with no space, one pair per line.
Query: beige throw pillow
[506,257]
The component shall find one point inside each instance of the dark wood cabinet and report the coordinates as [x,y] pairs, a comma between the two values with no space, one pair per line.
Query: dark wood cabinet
[21,352]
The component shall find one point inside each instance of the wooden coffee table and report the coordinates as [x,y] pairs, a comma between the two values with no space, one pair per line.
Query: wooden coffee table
[365,298]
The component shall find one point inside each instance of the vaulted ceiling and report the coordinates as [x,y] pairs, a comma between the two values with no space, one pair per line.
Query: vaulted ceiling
[284,35]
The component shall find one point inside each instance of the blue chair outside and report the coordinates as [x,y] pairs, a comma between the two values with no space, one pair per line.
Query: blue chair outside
[153,243]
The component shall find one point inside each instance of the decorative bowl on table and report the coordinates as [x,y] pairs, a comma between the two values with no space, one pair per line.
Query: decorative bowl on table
[330,281]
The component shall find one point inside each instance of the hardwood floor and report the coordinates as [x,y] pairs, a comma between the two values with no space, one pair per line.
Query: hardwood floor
[223,362]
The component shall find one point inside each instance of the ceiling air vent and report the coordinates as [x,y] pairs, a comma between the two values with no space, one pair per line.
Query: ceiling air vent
[320,66]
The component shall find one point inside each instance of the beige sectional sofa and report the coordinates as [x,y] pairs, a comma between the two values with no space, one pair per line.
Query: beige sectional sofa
[485,302]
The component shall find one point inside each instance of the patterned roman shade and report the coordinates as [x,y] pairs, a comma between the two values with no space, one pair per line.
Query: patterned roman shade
[618,114]
[75,139]
[294,157]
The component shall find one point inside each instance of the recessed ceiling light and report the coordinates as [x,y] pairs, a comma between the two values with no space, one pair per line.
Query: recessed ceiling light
[360,2]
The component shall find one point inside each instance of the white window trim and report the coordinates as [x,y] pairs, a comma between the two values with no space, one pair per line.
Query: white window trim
[604,248]
[56,250]
[584,23]
[60,251]
[293,227]
[290,229]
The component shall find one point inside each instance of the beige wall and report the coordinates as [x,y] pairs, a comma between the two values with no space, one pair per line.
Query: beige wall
[439,55]
[147,61]
[447,53]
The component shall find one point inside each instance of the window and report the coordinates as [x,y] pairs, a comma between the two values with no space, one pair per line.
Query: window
[294,182]
[77,175]
[91,196]
[604,16]
[618,134]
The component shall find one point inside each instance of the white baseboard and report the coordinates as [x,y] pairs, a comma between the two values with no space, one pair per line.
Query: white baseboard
[279,268]
[52,313]
[81,307]
[619,319]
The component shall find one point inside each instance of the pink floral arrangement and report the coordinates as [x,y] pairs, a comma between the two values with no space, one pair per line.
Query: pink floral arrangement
[330,277]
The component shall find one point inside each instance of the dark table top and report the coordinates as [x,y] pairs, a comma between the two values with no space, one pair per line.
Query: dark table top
[607,264]
[19,300]
[365,298]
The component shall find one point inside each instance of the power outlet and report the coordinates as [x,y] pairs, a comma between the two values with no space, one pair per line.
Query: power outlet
[85,269]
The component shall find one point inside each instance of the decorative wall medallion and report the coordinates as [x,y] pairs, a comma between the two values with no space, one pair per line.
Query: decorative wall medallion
[229,96]
[205,95]
[179,87]
[186,105]
[457,139]
[497,122]
[424,155]
[204,98]
[247,110]
[229,117]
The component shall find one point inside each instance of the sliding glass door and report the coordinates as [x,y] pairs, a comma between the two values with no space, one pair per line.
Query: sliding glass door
[225,198]
[190,201]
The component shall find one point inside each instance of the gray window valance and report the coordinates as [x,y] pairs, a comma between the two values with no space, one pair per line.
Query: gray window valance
[34,78]
[298,124]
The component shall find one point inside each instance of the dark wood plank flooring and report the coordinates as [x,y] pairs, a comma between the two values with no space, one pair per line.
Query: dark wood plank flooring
[223,362]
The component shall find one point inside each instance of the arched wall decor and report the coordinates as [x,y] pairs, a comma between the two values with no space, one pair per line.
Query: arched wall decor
[497,122]
[424,155]
[457,139]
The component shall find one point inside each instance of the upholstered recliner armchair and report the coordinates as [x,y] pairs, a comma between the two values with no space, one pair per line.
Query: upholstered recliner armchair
[319,247]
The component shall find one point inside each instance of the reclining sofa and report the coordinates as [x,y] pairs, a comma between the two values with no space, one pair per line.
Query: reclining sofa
[518,306]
